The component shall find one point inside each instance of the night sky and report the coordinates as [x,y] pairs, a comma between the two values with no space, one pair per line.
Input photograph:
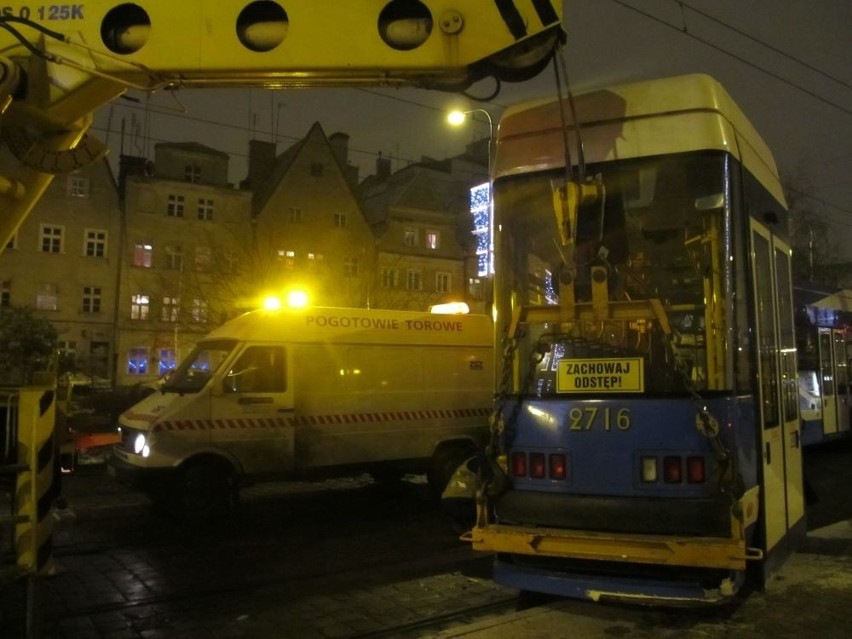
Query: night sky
[787,63]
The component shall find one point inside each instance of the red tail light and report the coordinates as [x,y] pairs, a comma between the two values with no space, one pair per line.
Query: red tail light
[558,466]
[672,470]
[537,467]
[695,471]
[519,464]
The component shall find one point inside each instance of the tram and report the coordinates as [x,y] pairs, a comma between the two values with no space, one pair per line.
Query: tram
[824,349]
[646,443]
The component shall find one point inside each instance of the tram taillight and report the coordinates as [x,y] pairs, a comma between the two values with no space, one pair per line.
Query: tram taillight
[695,472]
[519,464]
[672,469]
[540,466]
[558,466]
[537,466]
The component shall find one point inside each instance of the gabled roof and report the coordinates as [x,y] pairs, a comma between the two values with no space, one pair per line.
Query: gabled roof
[285,161]
[195,147]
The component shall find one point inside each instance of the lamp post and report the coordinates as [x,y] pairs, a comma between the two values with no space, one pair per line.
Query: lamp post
[457,118]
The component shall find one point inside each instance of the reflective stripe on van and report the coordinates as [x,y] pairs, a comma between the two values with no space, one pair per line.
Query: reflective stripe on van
[313,420]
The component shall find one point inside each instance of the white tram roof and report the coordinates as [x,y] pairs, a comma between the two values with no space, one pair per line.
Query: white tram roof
[641,119]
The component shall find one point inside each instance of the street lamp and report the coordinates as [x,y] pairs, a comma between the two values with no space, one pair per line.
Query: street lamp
[457,118]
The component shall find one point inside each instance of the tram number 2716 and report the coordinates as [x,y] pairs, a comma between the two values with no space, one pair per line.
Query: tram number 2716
[595,418]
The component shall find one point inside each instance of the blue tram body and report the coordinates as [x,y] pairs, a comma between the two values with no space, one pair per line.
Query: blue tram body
[824,347]
[646,444]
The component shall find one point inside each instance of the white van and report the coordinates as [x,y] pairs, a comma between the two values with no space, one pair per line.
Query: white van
[311,393]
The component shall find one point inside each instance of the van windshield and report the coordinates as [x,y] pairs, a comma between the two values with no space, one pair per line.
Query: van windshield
[199,366]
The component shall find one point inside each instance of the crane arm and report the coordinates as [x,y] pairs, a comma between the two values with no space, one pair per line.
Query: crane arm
[60,62]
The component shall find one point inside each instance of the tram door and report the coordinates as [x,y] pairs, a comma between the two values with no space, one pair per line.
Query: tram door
[780,440]
[834,381]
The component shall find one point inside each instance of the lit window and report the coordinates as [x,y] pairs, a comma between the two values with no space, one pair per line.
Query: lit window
[316,261]
[409,237]
[95,244]
[175,206]
[474,288]
[205,209]
[168,361]
[137,361]
[414,281]
[78,186]
[91,299]
[442,282]
[432,240]
[170,309]
[288,257]
[143,255]
[47,297]
[140,306]
[51,239]
[200,311]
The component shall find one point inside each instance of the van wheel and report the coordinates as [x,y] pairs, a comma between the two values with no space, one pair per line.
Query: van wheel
[206,490]
[444,463]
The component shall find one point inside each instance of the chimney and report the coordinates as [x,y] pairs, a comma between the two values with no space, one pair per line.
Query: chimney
[261,161]
[383,167]
[340,147]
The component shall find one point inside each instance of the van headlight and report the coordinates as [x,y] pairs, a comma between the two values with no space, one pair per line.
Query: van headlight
[140,445]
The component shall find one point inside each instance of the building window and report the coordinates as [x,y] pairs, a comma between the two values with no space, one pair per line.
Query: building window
[205,209]
[350,267]
[432,238]
[170,310]
[174,258]
[13,243]
[175,206]
[414,281]
[474,288]
[288,258]
[340,220]
[203,258]
[442,282]
[296,215]
[316,262]
[167,361]
[409,237]
[230,261]
[140,305]
[51,239]
[143,255]
[47,297]
[137,361]
[192,173]
[91,299]
[200,311]
[96,243]
[78,186]
[316,169]
[5,293]
[390,277]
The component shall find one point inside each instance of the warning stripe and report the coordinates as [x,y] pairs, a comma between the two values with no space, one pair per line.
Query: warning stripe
[317,420]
